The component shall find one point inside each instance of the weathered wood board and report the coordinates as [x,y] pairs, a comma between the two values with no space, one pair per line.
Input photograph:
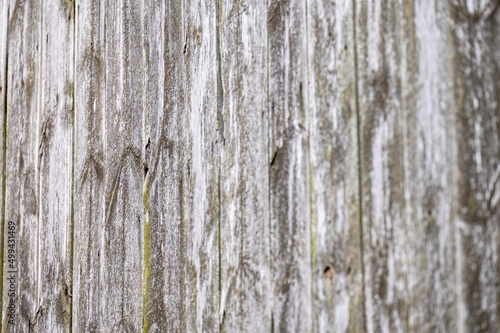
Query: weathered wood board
[309,166]
[335,215]
[289,163]
[55,165]
[242,145]
[4,27]
[88,161]
[22,158]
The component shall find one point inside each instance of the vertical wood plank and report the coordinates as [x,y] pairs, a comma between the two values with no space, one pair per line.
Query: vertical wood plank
[475,26]
[153,283]
[384,254]
[201,171]
[22,158]
[4,27]
[244,184]
[289,167]
[180,191]
[55,168]
[336,248]
[164,199]
[122,241]
[429,158]
[88,178]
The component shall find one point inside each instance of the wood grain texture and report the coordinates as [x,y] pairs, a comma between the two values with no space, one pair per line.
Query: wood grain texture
[88,188]
[335,229]
[476,68]
[289,183]
[201,171]
[22,158]
[429,157]
[244,163]
[378,43]
[313,165]
[181,186]
[4,33]
[121,243]
[165,191]
[55,168]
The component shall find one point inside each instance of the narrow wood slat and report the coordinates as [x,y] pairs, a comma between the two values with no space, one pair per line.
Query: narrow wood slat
[4,27]
[180,191]
[201,171]
[55,168]
[22,158]
[474,29]
[88,177]
[428,126]
[335,229]
[384,246]
[290,200]
[122,241]
[242,145]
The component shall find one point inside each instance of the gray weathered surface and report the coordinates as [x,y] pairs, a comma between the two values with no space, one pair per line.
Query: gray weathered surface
[4,24]
[22,156]
[306,166]
[335,229]
[88,161]
[289,182]
[244,178]
[55,165]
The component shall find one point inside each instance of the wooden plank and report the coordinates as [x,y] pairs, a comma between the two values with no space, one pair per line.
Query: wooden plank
[22,159]
[201,170]
[164,196]
[428,126]
[154,309]
[407,166]
[335,229]
[4,27]
[289,167]
[475,28]
[180,191]
[55,168]
[88,189]
[384,235]
[122,244]
[244,177]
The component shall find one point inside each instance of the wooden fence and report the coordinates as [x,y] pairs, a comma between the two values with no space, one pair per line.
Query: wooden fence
[253,166]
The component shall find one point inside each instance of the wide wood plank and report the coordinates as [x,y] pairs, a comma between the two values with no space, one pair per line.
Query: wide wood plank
[22,194]
[55,167]
[335,214]
[289,162]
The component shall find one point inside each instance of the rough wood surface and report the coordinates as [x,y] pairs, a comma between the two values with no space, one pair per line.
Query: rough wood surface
[88,161]
[305,166]
[4,27]
[290,167]
[335,212]
[244,177]
[22,157]
[55,151]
